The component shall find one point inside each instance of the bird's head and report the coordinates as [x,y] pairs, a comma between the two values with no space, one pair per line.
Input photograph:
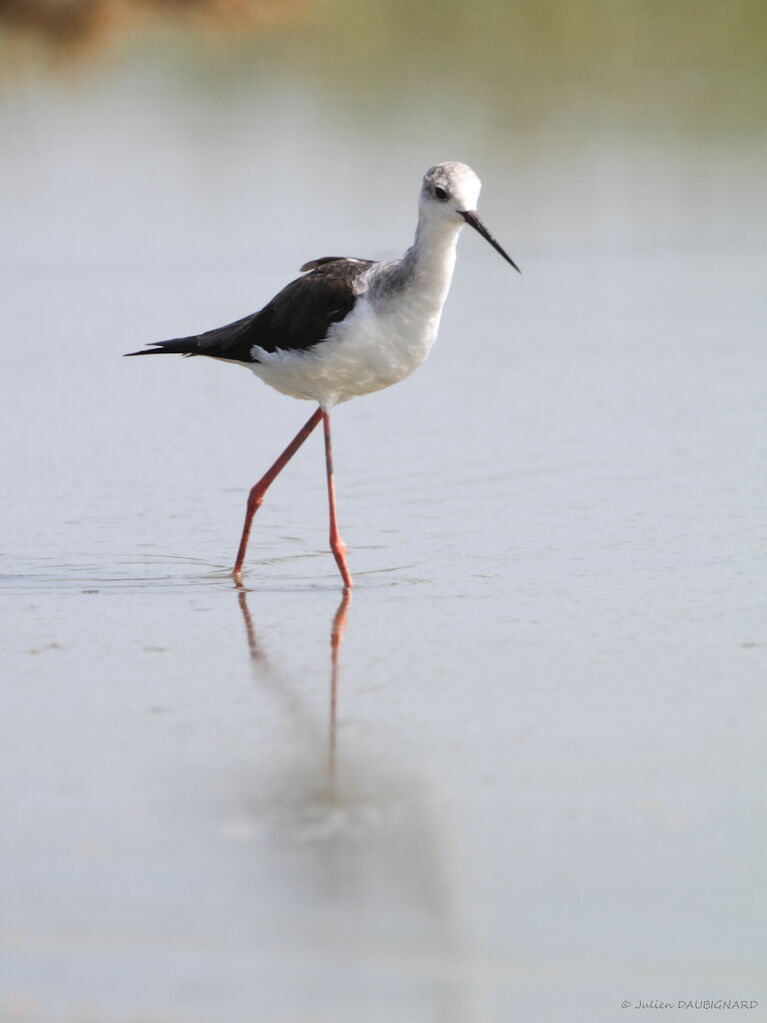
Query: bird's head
[449,192]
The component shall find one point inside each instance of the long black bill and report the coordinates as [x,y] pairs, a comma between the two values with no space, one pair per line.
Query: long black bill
[470,216]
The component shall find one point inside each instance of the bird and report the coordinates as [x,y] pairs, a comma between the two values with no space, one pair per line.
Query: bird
[348,327]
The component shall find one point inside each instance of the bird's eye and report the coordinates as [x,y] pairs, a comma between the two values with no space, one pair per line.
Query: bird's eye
[440,193]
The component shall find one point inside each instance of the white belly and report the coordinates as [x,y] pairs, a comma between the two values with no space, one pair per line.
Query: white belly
[366,352]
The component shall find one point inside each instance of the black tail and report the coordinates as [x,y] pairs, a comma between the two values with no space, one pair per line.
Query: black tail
[180,346]
[234,341]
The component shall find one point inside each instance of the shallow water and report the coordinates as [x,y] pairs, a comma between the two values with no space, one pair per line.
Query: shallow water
[519,774]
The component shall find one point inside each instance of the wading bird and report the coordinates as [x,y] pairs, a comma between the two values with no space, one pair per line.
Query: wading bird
[349,326]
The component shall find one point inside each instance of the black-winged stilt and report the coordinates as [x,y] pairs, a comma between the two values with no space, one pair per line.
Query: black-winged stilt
[349,326]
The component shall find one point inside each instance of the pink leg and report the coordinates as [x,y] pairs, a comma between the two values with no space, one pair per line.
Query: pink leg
[256,495]
[337,546]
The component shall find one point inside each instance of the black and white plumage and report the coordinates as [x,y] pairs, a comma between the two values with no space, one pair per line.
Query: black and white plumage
[297,318]
[349,326]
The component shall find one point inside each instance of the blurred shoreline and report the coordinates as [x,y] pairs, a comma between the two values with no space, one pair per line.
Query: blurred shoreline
[696,67]
[70,27]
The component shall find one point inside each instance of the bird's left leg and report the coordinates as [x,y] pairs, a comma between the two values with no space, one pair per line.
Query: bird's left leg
[256,495]
[337,545]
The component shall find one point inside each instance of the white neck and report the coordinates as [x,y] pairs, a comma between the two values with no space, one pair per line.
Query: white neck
[426,269]
[433,251]
[421,279]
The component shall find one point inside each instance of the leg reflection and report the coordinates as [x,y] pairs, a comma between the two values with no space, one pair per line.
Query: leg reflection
[336,638]
[258,657]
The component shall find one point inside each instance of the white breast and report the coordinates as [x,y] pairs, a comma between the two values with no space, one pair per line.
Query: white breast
[364,353]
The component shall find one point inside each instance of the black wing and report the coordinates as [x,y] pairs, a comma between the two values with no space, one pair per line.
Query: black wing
[297,317]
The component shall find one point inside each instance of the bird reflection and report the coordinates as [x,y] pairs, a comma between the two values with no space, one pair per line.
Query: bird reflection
[361,841]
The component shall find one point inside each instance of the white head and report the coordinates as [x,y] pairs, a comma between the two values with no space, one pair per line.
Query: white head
[448,189]
[449,194]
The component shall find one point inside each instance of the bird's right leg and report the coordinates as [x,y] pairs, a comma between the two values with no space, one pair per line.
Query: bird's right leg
[337,545]
[256,495]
